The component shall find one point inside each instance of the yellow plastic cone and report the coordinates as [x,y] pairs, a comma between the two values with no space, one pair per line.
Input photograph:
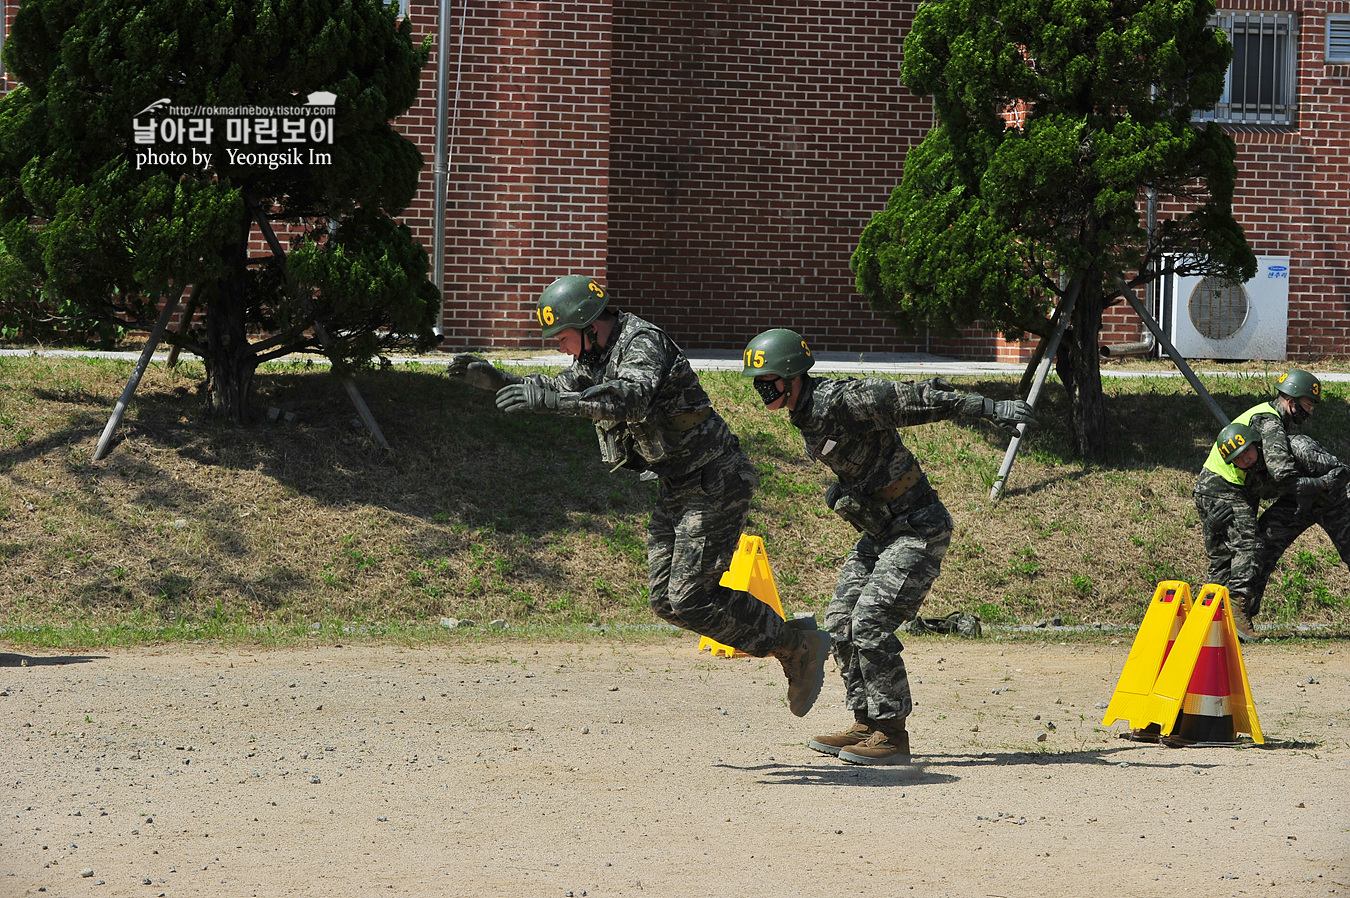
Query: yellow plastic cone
[749,571]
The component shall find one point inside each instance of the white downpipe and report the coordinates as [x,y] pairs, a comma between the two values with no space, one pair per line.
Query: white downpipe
[440,166]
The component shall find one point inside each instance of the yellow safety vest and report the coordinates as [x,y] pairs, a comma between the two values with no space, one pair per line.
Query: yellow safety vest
[1215,462]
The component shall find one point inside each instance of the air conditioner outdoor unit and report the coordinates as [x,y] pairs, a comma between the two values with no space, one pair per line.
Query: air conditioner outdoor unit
[1213,319]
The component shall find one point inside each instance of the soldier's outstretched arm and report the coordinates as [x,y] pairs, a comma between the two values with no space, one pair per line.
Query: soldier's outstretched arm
[1311,459]
[1322,476]
[936,400]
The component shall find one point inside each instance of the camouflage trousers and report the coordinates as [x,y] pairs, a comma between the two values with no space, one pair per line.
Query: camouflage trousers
[694,531]
[882,585]
[1280,524]
[1233,546]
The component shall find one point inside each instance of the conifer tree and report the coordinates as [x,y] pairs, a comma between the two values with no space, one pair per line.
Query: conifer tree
[97,231]
[1054,120]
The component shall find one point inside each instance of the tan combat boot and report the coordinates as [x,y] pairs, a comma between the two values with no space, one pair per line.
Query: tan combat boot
[1242,621]
[888,744]
[831,744]
[803,653]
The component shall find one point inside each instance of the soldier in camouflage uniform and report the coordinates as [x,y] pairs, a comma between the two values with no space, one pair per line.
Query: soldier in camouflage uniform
[653,417]
[849,425]
[1254,458]
[1227,494]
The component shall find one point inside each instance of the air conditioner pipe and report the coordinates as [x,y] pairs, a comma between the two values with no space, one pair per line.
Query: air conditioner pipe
[1139,347]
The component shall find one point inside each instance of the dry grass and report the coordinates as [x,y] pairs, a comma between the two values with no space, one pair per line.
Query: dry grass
[192,529]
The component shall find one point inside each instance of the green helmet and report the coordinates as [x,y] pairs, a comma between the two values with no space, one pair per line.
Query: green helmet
[573,300]
[1233,439]
[1297,383]
[778,351]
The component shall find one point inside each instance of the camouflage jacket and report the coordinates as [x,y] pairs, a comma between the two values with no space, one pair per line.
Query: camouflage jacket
[849,425]
[650,411]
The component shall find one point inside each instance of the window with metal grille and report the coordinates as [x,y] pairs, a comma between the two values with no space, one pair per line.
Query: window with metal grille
[1338,39]
[1260,87]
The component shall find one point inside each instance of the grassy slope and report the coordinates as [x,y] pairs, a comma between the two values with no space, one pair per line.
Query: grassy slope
[196,529]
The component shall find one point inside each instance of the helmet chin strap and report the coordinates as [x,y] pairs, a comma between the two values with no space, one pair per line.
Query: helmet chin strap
[594,354]
[1296,410]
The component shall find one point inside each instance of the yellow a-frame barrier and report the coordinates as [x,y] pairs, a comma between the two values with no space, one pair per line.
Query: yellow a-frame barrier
[1174,680]
[1159,629]
[749,571]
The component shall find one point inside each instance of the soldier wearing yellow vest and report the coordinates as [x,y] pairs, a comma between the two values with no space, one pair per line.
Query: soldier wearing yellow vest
[1251,460]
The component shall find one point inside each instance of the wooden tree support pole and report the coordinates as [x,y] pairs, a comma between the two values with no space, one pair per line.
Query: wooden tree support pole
[141,364]
[348,382]
[1171,351]
[1042,372]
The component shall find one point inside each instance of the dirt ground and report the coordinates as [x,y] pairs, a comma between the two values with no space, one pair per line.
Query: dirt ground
[601,769]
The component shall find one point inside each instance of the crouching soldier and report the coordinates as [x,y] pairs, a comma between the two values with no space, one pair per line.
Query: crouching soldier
[1256,457]
[1227,497]
[849,425]
[652,415]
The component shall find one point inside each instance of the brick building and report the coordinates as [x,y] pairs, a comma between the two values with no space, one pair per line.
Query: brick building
[714,162]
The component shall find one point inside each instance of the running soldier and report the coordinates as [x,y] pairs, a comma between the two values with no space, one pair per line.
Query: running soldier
[849,425]
[652,415]
[1227,495]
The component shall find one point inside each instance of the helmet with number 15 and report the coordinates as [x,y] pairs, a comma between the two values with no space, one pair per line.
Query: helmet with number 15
[779,351]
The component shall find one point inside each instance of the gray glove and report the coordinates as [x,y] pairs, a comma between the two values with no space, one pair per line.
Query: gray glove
[1011,412]
[479,373]
[1006,414]
[527,397]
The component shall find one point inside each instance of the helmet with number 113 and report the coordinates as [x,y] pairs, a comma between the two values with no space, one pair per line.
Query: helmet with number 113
[1234,439]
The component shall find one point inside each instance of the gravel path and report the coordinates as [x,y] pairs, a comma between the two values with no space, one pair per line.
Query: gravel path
[621,770]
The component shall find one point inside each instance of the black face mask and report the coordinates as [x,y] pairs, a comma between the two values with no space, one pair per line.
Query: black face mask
[1299,413]
[768,390]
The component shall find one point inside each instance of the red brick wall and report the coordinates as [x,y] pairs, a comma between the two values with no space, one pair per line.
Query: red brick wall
[529,158]
[750,144]
[714,163]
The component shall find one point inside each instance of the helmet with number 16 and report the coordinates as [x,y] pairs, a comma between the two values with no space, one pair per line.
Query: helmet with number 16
[573,300]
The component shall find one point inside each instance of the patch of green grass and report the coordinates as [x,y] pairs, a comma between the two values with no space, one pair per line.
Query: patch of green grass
[194,529]
[1302,588]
